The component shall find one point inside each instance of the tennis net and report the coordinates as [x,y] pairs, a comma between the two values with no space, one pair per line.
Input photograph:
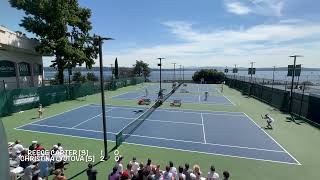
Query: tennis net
[122,135]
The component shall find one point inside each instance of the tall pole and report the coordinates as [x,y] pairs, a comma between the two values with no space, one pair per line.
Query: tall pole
[104,121]
[292,81]
[274,69]
[234,73]
[160,64]
[251,73]
[111,66]
[174,72]
[180,72]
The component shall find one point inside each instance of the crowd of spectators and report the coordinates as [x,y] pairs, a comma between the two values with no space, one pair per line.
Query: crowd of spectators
[151,171]
[25,167]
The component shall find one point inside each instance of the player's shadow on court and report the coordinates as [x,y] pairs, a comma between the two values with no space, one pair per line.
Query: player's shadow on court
[295,119]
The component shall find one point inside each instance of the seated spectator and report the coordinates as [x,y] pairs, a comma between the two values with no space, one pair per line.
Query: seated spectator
[167,175]
[212,175]
[17,147]
[44,167]
[91,173]
[124,175]
[149,164]
[60,148]
[59,175]
[226,175]
[180,174]
[114,175]
[129,170]
[140,171]
[119,165]
[173,169]
[157,173]
[39,147]
[197,171]
[24,161]
[187,171]
[27,173]
[33,145]
[135,165]
[57,157]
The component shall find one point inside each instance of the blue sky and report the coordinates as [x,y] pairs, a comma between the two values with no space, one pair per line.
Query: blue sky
[201,32]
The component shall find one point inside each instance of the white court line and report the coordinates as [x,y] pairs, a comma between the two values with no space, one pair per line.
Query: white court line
[273,139]
[203,131]
[155,120]
[193,111]
[229,100]
[159,138]
[176,149]
[91,118]
[56,115]
[120,94]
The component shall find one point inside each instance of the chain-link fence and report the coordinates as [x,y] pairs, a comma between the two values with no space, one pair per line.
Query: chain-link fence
[304,102]
[21,99]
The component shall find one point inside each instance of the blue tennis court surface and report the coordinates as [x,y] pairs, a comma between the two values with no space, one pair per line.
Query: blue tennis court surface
[231,134]
[184,97]
[193,88]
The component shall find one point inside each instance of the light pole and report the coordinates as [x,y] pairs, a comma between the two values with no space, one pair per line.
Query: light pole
[99,41]
[174,72]
[180,72]
[274,69]
[160,64]
[111,66]
[292,81]
[251,72]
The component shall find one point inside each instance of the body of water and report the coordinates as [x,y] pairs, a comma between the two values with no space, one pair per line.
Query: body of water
[311,76]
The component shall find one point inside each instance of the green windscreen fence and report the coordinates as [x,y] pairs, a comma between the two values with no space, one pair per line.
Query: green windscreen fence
[22,99]
[304,105]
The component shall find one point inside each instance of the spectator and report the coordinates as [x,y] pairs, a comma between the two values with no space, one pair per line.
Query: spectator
[140,171]
[17,147]
[129,171]
[226,175]
[197,171]
[57,157]
[180,174]
[60,148]
[173,170]
[114,175]
[124,175]
[59,175]
[33,145]
[149,164]
[212,175]
[135,165]
[157,173]
[27,174]
[44,167]
[24,161]
[91,173]
[187,171]
[119,165]
[39,147]
[167,175]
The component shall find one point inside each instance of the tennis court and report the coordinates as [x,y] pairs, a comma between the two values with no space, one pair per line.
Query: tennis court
[184,97]
[231,134]
[190,87]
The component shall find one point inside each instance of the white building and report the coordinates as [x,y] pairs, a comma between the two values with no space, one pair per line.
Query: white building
[20,65]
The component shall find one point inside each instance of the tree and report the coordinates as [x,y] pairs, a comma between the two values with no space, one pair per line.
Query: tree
[126,72]
[116,69]
[78,77]
[62,29]
[142,69]
[92,77]
[209,76]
